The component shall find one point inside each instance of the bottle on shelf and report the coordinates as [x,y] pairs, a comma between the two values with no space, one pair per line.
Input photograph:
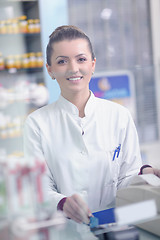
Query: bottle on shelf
[2,64]
[18,61]
[39,59]
[15,26]
[3,126]
[10,62]
[23,24]
[25,60]
[9,26]
[31,26]
[32,60]
[37,25]
[3,28]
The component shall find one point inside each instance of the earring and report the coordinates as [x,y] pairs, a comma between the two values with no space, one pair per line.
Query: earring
[51,75]
[92,73]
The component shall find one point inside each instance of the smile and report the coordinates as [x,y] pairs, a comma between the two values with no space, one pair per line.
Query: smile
[74,78]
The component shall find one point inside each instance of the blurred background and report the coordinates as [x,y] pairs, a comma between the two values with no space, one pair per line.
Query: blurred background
[126,40]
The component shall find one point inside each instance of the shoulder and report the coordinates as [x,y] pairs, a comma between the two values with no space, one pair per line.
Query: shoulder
[110,106]
[41,114]
[112,112]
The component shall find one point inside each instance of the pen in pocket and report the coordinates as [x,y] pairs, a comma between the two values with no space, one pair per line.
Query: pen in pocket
[116,151]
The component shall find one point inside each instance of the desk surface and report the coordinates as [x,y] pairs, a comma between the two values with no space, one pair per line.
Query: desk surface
[144,235]
[72,231]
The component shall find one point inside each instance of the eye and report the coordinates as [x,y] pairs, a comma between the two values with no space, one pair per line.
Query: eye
[62,61]
[82,59]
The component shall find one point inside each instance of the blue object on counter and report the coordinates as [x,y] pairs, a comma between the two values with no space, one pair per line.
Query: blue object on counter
[93,222]
[105,216]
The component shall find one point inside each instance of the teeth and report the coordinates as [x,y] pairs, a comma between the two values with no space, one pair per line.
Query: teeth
[74,79]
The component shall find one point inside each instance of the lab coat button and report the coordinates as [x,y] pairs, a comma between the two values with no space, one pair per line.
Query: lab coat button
[84,195]
[84,192]
[83,153]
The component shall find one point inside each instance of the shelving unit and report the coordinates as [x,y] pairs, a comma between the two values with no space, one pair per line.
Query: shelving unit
[21,65]
[22,90]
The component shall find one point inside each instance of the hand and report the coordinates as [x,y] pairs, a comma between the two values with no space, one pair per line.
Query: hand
[150,170]
[76,209]
[156,172]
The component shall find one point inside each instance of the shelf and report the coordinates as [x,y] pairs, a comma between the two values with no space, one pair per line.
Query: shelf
[23,70]
[23,49]
[12,144]
[6,139]
[30,4]
[4,1]
[20,34]
[13,1]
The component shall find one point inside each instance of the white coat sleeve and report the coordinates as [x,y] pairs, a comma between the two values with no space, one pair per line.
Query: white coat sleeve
[32,151]
[131,157]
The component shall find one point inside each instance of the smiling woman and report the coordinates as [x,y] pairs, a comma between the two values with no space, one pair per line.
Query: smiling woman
[71,61]
[78,135]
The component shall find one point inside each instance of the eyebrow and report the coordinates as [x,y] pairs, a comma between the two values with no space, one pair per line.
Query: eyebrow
[81,54]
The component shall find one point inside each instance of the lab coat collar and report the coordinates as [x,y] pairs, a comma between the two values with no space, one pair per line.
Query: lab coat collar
[69,107]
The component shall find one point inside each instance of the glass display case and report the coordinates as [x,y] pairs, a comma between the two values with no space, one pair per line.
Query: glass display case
[22,90]
[21,69]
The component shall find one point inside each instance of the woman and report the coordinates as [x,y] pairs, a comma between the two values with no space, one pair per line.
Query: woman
[90,145]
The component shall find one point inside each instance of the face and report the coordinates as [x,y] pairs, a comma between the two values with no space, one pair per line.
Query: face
[72,66]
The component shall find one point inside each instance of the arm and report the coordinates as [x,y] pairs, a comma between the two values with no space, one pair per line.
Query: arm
[33,150]
[147,169]
[131,162]
[73,206]
[131,158]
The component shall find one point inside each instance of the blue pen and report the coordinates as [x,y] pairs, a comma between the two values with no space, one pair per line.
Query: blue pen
[114,154]
[117,150]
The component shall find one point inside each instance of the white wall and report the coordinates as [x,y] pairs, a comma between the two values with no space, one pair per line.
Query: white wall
[152,151]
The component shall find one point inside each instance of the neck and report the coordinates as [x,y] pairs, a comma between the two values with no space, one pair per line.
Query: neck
[79,100]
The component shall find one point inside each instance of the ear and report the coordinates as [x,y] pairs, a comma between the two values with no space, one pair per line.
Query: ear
[93,64]
[49,71]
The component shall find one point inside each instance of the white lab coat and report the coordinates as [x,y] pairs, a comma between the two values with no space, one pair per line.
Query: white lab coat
[79,151]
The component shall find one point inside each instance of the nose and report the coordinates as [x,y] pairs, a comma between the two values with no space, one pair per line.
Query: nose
[73,67]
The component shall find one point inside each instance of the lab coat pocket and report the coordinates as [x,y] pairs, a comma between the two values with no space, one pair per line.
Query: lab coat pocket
[113,166]
[108,196]
[108,191]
